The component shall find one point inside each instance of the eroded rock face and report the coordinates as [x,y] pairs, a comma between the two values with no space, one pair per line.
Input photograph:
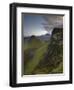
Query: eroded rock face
[57,34]
[54,56]
[55,48]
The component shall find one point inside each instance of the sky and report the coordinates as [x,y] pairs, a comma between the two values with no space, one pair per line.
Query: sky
[34,24]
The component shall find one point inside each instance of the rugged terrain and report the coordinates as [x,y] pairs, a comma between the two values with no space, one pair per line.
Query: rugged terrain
[44,54]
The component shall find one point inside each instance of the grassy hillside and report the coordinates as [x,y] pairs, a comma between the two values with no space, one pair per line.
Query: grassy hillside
[44,57]
[33,43]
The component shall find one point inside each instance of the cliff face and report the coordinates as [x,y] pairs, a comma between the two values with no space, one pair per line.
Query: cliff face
[55,48]
[57,34]
[53,60]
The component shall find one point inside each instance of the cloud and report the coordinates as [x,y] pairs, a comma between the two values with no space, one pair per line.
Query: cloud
[53,21]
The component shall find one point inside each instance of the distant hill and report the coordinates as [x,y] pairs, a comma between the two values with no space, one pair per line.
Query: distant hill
[45,37]
[32,42]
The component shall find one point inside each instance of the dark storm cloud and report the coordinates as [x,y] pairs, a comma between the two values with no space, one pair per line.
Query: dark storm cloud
[34,24]
[53,21]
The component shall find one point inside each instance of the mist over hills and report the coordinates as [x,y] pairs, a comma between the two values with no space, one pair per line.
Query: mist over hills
[45,37]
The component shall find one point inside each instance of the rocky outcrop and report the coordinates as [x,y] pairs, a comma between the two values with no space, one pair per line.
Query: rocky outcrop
[54,55]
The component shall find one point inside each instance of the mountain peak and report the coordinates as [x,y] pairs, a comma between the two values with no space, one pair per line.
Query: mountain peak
[47,34]
[33,36]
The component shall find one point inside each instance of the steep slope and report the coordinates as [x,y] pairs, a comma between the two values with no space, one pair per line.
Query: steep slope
[32,43]
[33,63]
[53,60]
[44,57]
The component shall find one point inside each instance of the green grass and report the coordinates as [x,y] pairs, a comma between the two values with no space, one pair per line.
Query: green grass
[58,69]
[39,53]
[33,44]
[38,56]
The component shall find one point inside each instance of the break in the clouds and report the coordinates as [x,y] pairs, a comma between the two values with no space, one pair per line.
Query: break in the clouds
[34,24]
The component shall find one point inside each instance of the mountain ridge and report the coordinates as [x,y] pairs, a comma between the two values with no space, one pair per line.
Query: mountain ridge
[41,37]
